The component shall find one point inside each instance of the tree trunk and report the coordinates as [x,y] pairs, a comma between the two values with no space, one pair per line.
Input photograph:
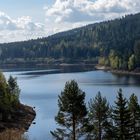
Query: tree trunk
[135,137]
[100,131]
[73,126]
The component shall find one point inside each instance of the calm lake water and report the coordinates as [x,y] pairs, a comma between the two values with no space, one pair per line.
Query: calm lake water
[40,88]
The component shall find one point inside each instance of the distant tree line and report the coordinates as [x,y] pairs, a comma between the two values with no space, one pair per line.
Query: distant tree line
[9,97]
[119,61]
[98,121]
[114,43]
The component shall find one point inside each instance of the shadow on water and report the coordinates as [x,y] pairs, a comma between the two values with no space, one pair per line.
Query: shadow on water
[50,69]
[13,135]
[60,69]
[127,79]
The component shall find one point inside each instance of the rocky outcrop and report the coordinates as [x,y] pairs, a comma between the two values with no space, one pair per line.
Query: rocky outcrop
[19,119]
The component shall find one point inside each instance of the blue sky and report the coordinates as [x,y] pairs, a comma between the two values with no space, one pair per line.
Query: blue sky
[17,8]
[27,19]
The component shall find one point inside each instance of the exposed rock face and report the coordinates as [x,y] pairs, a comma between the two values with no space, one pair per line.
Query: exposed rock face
[19,119]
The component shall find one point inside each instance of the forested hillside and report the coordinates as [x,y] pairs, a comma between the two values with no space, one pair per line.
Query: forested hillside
[113,43]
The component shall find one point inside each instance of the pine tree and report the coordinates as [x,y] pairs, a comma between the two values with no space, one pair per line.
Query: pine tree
[13,90]
[72,111]
[134,108]
[100,117]
[9,96]
[122,118]
[4,97]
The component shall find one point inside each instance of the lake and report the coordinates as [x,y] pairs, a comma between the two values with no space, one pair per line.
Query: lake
[40,88]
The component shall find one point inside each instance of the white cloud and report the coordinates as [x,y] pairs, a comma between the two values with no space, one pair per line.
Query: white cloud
[66,14]
[22,28]
[6,22]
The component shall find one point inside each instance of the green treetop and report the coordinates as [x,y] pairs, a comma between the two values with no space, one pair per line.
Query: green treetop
[134,108]
[72,111]
[122,118]
[99,117]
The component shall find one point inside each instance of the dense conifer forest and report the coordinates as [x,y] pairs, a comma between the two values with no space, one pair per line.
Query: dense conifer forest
[114,43]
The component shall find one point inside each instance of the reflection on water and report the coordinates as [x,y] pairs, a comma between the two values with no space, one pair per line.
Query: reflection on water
[49,69]
[13,135]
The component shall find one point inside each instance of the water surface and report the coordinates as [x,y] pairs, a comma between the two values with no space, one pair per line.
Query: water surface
[40,88]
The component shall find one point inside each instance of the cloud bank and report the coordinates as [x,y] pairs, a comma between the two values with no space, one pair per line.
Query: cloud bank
[72,13]
[22,28]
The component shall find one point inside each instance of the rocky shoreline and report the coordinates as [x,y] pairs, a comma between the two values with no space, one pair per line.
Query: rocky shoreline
[20,119]
[123,72]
